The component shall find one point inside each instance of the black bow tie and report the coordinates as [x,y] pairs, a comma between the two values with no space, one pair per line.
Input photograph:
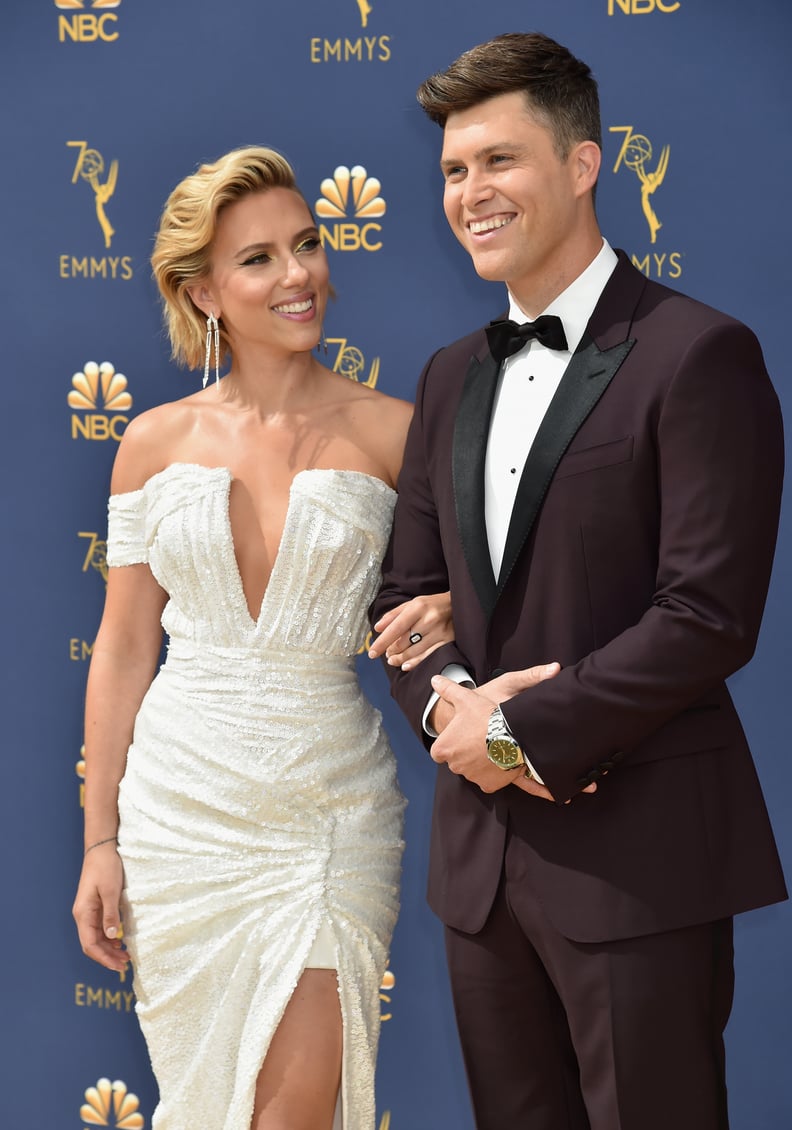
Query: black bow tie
[508,337]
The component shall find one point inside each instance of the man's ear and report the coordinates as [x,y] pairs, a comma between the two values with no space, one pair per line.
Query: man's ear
[586,159]
[203,298]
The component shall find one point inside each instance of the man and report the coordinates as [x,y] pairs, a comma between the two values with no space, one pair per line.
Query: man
[603,493]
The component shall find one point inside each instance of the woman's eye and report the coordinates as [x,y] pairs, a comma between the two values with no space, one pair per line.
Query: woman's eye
[310,244]
[262,257]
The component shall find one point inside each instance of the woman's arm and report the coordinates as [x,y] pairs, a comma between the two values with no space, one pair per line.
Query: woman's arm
[124,659]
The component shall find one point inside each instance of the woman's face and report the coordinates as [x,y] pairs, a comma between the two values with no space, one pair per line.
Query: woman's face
[269,277]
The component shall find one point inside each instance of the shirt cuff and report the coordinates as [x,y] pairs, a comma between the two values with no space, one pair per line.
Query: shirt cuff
[459,675]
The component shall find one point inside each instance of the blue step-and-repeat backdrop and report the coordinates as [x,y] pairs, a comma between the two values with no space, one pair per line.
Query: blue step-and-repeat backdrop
[106,105]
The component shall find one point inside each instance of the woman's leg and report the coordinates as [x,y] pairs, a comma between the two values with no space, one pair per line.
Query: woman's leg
[301,1074]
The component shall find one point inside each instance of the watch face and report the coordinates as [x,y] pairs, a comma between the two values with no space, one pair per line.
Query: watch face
[505,753]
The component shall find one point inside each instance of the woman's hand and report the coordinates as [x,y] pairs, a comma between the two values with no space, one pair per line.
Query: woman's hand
[413,630]
[96,907]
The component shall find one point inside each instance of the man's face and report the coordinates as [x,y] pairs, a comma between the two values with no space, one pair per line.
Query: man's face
[511,201]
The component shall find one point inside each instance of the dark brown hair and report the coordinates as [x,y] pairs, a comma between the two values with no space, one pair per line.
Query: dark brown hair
[559,89]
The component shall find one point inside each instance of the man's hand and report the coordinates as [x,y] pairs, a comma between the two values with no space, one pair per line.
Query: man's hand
[496,690]
[462,741]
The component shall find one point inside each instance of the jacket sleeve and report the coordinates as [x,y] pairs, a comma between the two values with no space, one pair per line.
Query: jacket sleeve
[719,451]
[414,563]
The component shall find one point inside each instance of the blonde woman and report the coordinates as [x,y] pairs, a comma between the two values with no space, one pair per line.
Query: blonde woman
[245,797]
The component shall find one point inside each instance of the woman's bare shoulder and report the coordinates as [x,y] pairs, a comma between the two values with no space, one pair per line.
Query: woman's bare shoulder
[379,422]
[148,443]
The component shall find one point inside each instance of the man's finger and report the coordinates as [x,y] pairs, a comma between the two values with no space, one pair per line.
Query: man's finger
[532,676]
[449,691]
[528,785]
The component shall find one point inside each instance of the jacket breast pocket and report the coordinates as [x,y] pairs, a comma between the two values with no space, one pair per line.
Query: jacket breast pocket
[597,457]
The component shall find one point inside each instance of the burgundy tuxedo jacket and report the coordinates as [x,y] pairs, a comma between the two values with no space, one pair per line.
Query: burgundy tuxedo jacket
[638,556]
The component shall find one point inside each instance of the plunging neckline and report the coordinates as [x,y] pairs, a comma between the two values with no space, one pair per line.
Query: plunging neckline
[255,622]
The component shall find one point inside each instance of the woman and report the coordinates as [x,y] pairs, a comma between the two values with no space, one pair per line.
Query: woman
[246,796]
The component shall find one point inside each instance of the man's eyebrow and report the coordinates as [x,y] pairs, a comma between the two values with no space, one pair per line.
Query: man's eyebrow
[485,151]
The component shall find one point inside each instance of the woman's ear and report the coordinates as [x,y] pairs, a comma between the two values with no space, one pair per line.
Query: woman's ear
[203,298]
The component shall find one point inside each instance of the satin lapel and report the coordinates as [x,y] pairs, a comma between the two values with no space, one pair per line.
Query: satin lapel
[587,376]
[470,445]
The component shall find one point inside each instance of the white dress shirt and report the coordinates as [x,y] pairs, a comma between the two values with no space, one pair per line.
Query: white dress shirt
[526,384]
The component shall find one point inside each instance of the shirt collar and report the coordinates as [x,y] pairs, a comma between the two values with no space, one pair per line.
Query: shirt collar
[575,305]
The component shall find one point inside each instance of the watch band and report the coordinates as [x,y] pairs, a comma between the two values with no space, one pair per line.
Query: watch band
[503,749]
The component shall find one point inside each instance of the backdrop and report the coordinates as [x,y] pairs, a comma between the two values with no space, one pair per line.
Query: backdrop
[106,105]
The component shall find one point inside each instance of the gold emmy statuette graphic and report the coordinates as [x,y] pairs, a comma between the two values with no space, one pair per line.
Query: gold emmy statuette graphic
[366,201]
[350,363]
[636,150]
[96,557]
[365,12]
[90,166]
[385,1121]
[110,1104]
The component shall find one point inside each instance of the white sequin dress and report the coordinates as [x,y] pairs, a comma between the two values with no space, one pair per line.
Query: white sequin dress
[259,803]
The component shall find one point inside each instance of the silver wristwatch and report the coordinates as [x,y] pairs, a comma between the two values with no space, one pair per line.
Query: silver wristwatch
[503,749]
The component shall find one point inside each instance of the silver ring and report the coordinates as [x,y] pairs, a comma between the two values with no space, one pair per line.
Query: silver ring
[415,637]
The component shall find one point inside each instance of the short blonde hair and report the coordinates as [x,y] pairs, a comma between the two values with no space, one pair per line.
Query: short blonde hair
[187,229]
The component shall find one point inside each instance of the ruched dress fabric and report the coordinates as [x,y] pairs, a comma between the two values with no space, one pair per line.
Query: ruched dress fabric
[259,802]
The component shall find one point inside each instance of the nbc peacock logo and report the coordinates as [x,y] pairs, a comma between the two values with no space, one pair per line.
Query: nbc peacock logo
[111,1104]
[94,388]
[351,195]
[87,21]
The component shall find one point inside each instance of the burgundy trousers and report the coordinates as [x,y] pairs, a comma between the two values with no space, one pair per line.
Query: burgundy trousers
[561,1035]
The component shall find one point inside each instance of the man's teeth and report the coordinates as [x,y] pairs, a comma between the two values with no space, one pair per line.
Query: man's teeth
[479,226]
[295,307]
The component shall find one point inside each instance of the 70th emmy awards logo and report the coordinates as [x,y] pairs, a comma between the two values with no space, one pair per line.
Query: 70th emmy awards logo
[90,167]
[351,363]
[96,557]
[635,153]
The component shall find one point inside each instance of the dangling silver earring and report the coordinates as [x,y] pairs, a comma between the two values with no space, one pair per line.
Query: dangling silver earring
[322,343]
[212,327]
